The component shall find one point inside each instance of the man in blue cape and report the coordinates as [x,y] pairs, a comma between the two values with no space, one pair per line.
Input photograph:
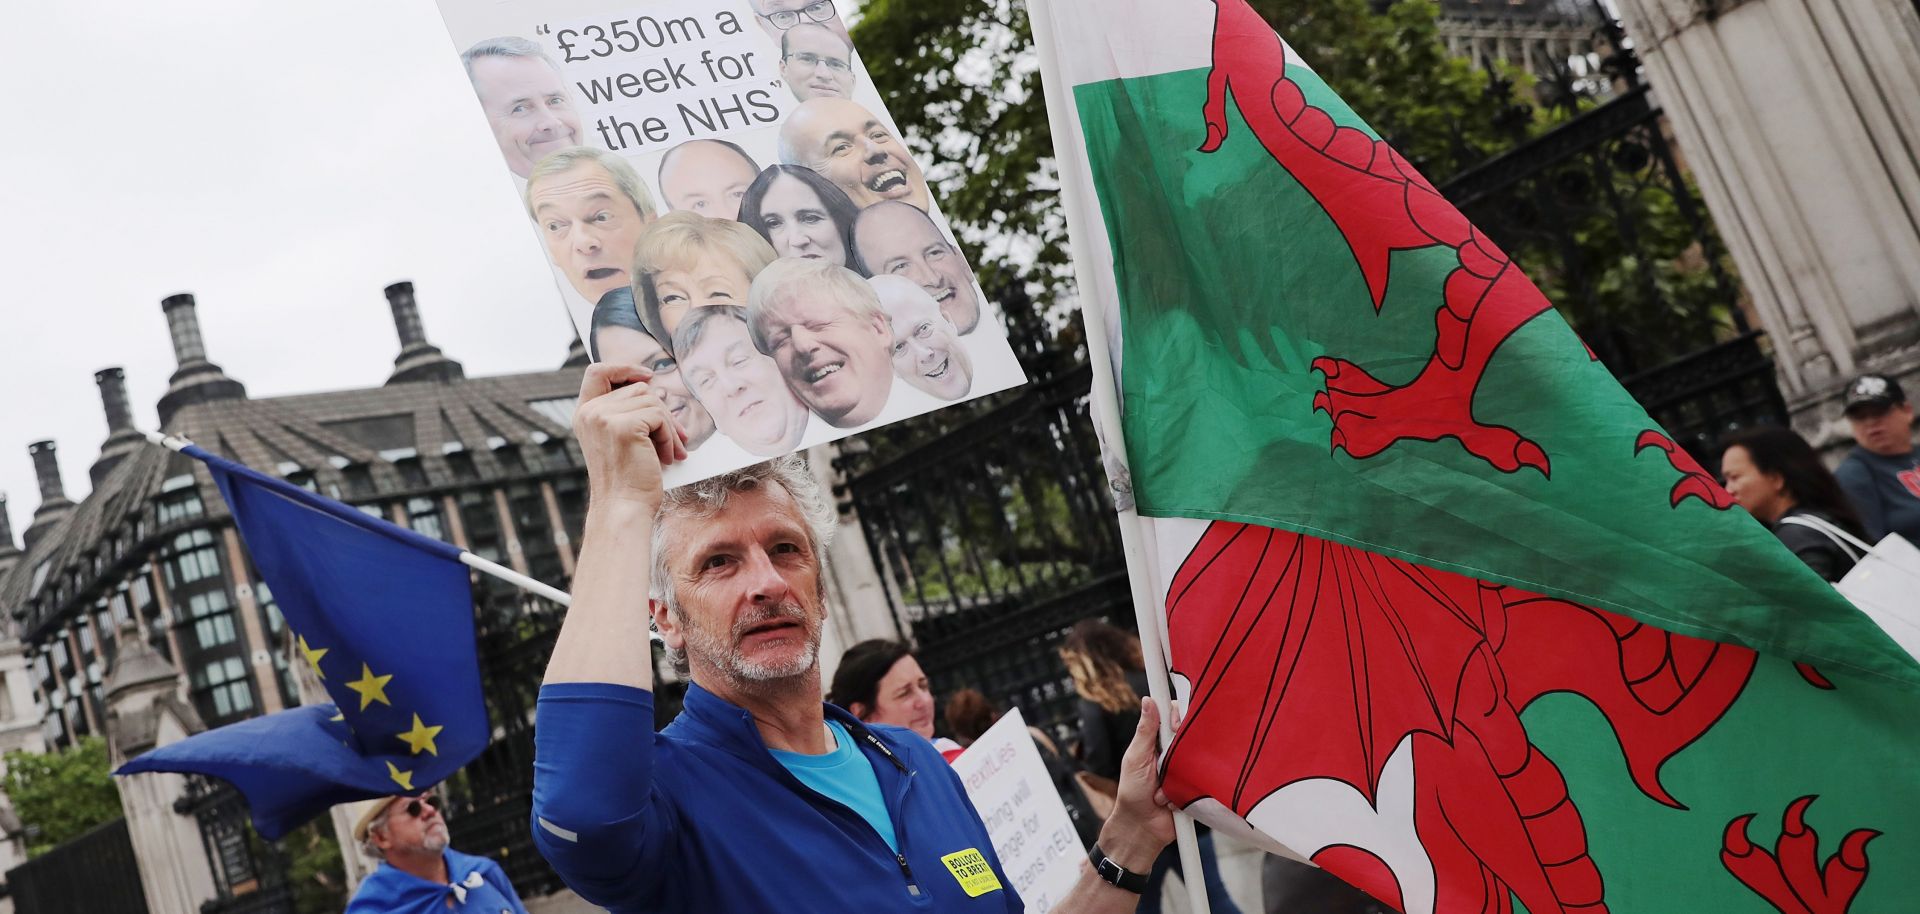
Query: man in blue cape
[419,873]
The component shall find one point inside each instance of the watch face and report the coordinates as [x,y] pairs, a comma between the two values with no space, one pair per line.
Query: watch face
[1111,872]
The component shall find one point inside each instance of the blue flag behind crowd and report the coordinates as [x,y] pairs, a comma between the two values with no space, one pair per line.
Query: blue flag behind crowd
[385,617]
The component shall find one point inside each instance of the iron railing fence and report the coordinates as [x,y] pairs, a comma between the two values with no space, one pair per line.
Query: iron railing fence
[94,872]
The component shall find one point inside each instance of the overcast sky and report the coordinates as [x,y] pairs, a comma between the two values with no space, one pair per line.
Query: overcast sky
[284,164]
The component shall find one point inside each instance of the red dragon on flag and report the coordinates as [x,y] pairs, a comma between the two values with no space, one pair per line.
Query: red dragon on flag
[1313,667]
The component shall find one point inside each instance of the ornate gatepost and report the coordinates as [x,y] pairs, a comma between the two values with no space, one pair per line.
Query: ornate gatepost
[145,711]
[1801,123]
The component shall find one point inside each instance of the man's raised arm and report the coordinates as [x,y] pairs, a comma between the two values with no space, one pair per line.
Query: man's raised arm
[595,812]
[627,436]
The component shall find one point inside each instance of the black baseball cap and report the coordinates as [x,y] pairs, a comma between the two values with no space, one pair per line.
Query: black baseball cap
[1873,392]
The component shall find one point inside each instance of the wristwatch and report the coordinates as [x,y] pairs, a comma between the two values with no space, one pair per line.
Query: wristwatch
[1114,873]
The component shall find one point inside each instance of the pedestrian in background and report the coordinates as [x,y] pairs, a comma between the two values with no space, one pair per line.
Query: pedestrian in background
[880,682]
[1774,474]
[1882,474]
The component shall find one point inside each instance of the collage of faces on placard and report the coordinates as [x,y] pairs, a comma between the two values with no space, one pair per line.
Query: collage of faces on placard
[784,272]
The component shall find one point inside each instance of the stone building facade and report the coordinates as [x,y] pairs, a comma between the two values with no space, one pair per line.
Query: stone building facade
[1801,124]
[487,464]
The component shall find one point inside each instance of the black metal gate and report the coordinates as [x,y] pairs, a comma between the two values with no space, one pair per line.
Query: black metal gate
[249,873]
[995,533]
[94,872]
[1701,397]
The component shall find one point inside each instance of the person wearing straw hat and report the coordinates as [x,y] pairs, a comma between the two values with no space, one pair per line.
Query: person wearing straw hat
[419,873]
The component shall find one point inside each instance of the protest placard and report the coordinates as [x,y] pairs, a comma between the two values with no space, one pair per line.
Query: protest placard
[1030,828]
[725,200]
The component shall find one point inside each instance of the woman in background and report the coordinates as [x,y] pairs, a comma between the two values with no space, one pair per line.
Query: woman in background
[1774,474]
[879,682]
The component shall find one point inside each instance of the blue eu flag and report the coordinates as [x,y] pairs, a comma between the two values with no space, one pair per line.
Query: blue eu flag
[385,617]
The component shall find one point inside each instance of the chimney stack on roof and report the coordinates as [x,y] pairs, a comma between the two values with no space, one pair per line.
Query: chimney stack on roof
[113,396]
[197,380]
[46,469]
[183,321]
[418,360]
[54,503]
[122,438]
[406,315]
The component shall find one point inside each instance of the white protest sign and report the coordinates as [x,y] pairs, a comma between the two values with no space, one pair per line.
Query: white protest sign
[726,201]
[1028,824]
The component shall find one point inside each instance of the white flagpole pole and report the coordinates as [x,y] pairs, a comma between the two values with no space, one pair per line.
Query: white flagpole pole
[1135,538]
[490,568]
[515,578]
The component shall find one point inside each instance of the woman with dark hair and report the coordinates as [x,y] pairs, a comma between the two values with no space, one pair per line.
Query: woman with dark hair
[879,682]
[1774,474]
[1107,670]
[800,213]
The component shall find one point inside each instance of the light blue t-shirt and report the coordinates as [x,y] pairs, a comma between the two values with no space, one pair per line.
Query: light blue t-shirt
[845,776]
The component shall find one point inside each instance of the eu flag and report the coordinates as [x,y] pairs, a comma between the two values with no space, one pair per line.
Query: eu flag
[384,616]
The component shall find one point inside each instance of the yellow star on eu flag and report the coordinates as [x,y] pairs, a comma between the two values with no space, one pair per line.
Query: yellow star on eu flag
[313,656]
[421,737]
[371,688]
[403,778]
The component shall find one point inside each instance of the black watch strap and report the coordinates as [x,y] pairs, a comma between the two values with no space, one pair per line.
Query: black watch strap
[1114,873]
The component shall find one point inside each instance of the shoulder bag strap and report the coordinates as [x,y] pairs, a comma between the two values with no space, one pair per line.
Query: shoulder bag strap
[1854,548]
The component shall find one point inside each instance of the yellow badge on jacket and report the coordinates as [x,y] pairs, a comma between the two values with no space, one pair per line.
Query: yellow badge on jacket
[971,869]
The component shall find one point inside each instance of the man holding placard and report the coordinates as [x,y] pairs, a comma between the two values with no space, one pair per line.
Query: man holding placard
[759,797]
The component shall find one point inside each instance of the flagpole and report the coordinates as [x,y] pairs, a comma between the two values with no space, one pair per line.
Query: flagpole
[1136,540]
[484,566]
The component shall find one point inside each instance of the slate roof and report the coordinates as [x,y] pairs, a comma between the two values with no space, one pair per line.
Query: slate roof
[328,435]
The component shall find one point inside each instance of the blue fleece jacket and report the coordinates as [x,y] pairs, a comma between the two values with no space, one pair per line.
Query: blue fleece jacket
[701,818]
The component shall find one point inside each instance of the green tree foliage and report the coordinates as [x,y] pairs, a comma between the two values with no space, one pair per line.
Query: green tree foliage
[314,868]
[60,795]
[962,79]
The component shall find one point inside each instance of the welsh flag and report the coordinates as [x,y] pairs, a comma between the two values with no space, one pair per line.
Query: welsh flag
[1451,617]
